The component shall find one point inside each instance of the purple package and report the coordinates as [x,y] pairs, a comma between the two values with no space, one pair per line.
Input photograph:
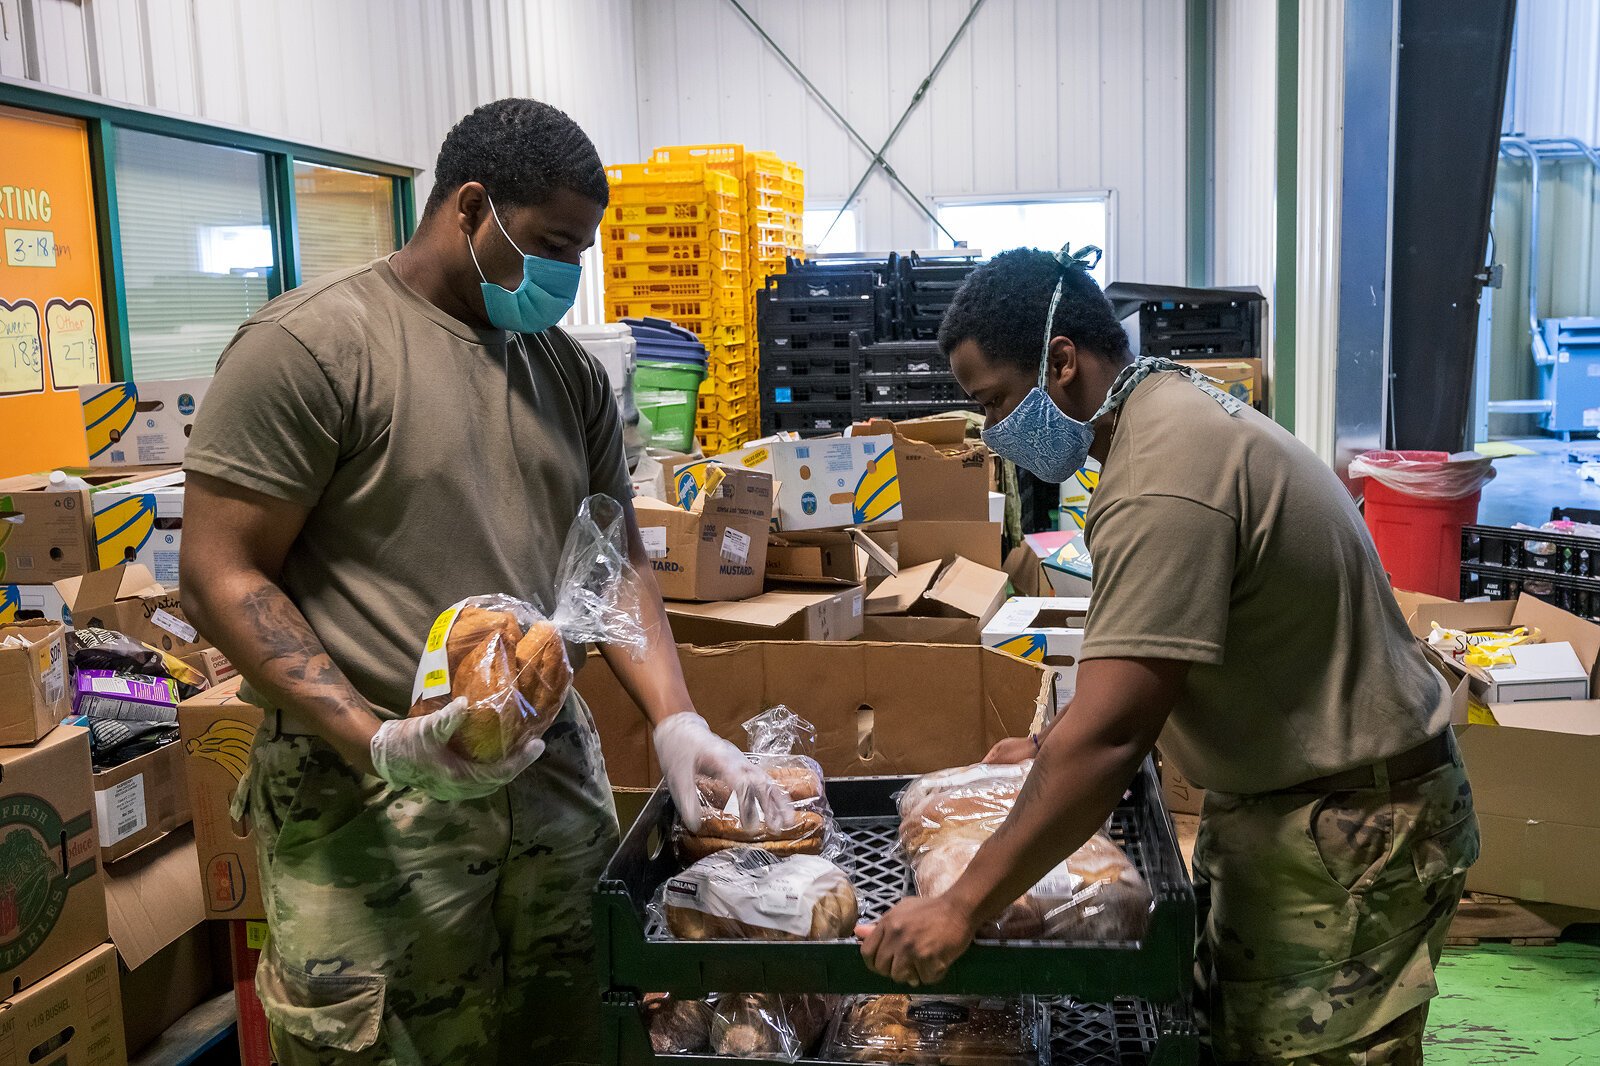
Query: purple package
[128,697]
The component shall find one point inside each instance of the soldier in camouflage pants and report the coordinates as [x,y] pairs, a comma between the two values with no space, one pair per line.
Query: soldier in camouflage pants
[408,930]
[1328,913]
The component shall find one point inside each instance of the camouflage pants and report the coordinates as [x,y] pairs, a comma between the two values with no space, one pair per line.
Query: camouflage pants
[1327,917]
[409,932]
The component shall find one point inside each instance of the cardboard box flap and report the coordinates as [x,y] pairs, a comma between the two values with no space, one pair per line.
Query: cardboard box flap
[875,552]
[970,589]
[1574,717]
[900,593]
[153,897]
[945,431]
[771,609]
[1557,625]
[921,542]
[104,587]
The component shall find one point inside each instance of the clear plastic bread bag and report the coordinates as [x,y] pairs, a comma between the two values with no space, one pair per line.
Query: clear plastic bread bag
[1095,894]
[778,740]
[782,1027]
[749,893]
[677,1026]
[508,659]
[950,1030]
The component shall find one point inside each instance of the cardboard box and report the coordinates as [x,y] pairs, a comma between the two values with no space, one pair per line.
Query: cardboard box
[52,905]
[920,603]
[717,549]
[777,615]
[71,1018]
[820,557]
[46,536]
[1240,378]
[141,523]
[128,599]
[864,556]
[943,476]
[32,601]
[877,708]
[216,729]
[157,915]
[141,801]
[827,483]
[216,666]
[1538,672]
[140,423]
[1048,630]
[34,694]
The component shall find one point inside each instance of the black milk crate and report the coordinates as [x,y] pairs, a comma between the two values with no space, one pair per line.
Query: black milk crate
[781,389]
[902,357]
[786,364]
[1122,1033]
[911,389]
[1210,329]
[1577,595]
[918,327]
[917,273]
[812,283]
[863,312]
[903,412]
[1537,551]
[808,420]
[634,955]
[811,338]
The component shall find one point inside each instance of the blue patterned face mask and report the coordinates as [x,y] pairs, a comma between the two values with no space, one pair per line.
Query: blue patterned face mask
[1043,439]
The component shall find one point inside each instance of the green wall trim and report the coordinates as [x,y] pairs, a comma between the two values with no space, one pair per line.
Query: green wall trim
[1287,283]
[1200,139]
[108,235]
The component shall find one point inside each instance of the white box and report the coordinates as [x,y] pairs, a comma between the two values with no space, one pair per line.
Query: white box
[827,483]
[141,523]
[1047,629]
[14,599]
[1540,672]
[140,423]
[997,507]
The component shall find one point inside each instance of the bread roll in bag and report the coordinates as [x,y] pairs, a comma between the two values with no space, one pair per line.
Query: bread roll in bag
[750,894]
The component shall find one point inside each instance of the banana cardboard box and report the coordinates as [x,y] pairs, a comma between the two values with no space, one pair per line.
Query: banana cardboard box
[825,483]
[129,600]
[34,694]
[141,523]
[140,423]
[1048,630]
[46,535]
[216,729]
[140,801]
[32,601]
[52,901]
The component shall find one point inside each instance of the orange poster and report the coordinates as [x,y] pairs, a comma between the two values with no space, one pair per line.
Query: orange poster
[52,323]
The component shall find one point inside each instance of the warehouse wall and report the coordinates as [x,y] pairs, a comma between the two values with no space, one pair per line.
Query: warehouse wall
[381,78]
[1244,187]
[1042,96]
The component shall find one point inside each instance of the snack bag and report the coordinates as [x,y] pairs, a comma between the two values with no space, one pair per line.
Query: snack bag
[777,738]
[1482,648]
[752,894]
[509,661]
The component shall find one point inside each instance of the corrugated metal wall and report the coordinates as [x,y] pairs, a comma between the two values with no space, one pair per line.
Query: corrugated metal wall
[381,78]
[1555,79]
[1244,250]
[1043,96]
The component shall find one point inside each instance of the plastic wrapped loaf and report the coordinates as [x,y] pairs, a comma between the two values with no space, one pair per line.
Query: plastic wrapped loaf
[752,894]
[942,1030]
[777,741]
[1095,894]
[766,1025]
[677,1026]
[509,661]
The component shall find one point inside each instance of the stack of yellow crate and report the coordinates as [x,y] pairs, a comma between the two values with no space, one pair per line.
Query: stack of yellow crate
[674,246]
[772,198]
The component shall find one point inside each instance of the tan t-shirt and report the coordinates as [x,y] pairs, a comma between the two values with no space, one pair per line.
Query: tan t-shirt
[439,461]
[1223,541]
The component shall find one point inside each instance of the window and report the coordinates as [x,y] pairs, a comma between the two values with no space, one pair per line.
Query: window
[198,255]
[344,218]
[846,233]
[994,226]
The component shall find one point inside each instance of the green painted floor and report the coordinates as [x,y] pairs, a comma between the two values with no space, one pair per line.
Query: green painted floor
[1522,1005]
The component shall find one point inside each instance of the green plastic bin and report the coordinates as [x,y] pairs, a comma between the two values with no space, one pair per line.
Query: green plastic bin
[666,392]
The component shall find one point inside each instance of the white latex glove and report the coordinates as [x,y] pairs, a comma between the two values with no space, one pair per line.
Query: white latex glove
[415,753]
[687,747]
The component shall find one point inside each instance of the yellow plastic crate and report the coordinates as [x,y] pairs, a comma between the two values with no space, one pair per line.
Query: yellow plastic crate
[723,213]
[725,386]
[662,178]
[674,270]
[704,254]
[715,236]
[712,405]
[734,159]
[702,291]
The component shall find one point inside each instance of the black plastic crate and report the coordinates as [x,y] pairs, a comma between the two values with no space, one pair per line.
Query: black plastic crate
[808,420]
[814,284]
[1122,1033]
[811,338]
[780,364]
[634,956]
[902,357]
[917,273]
[783,389]
[1534,550]
[779,312]
[1578,595]
[1205,330]
[929,388]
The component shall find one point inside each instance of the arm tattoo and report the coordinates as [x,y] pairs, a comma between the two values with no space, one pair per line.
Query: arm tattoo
[284,657]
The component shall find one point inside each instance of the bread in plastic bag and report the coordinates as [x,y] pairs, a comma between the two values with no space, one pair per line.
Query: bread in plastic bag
[509,660]
[768,1025]
[1094,894]
[778,739]
[752,894]
[677,1026]
[946,1030]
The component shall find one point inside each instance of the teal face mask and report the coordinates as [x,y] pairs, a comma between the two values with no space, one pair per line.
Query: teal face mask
[546,294]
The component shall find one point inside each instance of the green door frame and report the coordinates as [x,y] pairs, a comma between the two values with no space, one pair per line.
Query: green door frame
[103,119]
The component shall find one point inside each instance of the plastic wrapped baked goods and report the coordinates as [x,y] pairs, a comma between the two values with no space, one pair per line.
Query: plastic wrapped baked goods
[1095,894]
[775,739]
[509,661]
[938,1030]
[752,894]
[677,1026]
[766,1025]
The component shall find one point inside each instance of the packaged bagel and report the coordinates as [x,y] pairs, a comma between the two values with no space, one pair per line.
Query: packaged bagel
[751,894]
[777,741]
[1094,894]
[767,1025]
[677,1026]
[944,1030]
[509,660]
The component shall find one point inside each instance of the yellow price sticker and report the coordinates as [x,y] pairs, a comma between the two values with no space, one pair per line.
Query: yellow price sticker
[255,935]
[441,629]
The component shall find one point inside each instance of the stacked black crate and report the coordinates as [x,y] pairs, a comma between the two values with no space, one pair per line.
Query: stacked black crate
[906,379]
[924,289]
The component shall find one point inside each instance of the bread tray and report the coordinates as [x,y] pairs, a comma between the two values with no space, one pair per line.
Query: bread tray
[1122,1033]
[634,958]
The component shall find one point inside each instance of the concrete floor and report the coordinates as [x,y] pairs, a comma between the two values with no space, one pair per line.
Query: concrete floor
[1525,487]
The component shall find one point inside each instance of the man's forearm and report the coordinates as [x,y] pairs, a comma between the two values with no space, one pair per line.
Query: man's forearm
[655,681]
[259,628]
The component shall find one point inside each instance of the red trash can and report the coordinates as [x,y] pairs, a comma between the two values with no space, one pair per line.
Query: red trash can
[1416,504]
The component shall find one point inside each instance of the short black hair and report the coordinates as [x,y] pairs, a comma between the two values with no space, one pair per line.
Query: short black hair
[1003,302]
[522,151]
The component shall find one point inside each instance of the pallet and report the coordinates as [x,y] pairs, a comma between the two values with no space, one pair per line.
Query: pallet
[1517,922]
